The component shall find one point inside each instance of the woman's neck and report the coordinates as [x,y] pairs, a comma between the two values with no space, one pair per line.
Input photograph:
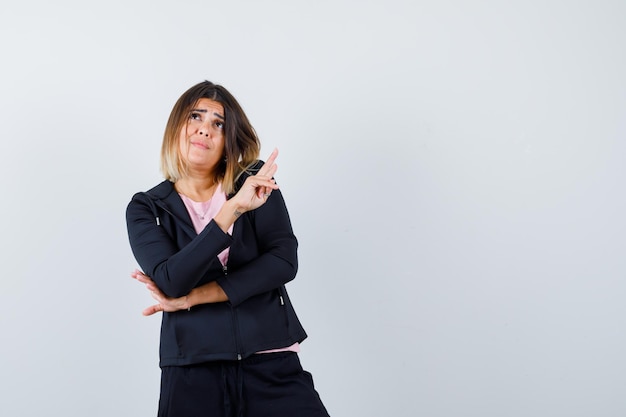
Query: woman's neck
[196,188]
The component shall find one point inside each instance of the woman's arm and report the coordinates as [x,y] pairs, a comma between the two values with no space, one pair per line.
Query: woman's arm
[207,293]
[176,272]
[277,263]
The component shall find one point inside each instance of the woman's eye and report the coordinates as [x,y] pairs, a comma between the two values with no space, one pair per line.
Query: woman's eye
[195,116]
[219,125]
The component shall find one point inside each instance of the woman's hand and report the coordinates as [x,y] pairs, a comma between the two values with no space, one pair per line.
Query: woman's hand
[165,303]
[253,194]
[257,188]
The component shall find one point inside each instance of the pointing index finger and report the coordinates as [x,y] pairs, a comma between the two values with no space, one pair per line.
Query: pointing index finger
[269,168]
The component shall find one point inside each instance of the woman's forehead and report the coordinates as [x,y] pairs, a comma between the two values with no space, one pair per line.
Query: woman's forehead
[208,104]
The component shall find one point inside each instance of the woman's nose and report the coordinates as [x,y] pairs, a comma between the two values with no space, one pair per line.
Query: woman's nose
[204,130]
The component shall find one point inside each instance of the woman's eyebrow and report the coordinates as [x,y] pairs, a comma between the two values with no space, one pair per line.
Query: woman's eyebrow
[205,111]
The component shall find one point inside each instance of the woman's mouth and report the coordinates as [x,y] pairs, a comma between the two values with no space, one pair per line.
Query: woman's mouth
[200,145]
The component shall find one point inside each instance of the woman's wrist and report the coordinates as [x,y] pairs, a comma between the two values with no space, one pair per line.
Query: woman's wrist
[233,208]
[227,215]
[193,298]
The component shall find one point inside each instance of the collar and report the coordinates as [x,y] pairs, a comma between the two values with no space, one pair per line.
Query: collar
[165,196]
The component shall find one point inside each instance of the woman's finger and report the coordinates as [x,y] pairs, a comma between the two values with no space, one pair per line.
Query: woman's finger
[259,184]
[158,296]
[152,309]
[137,274]
[269,168]
[143,279]
[264,188]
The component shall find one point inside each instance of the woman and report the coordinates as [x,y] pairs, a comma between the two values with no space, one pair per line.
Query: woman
[215,244]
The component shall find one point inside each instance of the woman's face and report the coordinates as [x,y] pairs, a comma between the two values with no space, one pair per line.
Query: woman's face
[202,138]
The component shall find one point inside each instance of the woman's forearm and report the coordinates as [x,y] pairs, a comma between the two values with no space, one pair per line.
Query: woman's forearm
[206,294]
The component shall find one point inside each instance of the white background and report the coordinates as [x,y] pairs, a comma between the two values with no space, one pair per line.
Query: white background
[454,171]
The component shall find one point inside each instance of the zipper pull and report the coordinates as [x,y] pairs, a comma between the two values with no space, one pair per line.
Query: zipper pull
[282,301]
[225,269]
[158,221]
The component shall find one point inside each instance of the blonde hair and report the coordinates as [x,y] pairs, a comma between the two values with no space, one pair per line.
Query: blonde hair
[241,143]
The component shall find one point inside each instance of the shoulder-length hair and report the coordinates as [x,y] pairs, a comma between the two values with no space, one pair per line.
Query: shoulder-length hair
[241,144]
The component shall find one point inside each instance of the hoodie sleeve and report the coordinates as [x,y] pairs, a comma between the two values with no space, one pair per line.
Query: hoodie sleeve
[176,272]
[278,262]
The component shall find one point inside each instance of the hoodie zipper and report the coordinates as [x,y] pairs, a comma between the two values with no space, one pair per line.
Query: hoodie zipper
[235,322]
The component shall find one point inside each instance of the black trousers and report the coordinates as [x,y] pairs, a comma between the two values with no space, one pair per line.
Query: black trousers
[264,385]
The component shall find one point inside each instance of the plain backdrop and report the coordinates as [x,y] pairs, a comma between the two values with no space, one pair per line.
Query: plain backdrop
[454,171]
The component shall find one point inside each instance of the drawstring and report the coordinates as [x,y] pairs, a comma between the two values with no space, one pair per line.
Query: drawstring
[228,368]
[240,406]
[225,389]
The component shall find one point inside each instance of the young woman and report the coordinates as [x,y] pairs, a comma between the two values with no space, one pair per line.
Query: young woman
[216,247]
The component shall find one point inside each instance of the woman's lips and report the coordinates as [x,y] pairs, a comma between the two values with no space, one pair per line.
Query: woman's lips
[200,145]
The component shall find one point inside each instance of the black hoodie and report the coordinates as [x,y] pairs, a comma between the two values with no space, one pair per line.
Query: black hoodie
[262,259]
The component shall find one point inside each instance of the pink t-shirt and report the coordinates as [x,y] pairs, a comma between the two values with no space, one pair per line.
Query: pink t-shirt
[201,214]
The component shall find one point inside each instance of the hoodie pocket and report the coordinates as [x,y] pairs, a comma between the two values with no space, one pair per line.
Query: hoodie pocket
[206,329]
[263,322]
